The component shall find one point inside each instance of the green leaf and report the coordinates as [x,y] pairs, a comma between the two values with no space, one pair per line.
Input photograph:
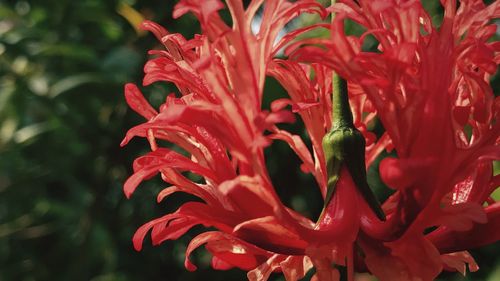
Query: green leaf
[68,83]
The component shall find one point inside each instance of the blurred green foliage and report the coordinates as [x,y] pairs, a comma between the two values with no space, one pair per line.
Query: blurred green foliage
[63,215]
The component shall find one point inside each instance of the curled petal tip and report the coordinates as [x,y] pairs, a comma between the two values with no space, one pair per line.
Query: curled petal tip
[124,142]
[189,265]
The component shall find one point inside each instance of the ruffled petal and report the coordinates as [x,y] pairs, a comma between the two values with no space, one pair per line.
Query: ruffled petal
[411,258]
[263,271]
[152,163]
[226,247]
[459,261]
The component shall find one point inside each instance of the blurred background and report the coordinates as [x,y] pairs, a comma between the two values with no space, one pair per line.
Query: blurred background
[63,215]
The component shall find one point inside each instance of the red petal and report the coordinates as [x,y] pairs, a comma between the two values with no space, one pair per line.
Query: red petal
[223,246]
[459,261]
[235,253]
[197,242]
[149,165]
[220,264]
[268,233]
[462,217]
[137,102]
[134,180]
[144,229]
[340,218]
[403,173]
[481,234]
[295,267]
[158,30]
[283,116]
[279,104]
[166,192]
[203,10]
[298,147]
[263,271]
[175,229]
[249,196]
[461,114]
[411,258]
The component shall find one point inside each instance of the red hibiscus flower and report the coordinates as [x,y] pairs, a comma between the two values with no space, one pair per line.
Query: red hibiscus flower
[428,86]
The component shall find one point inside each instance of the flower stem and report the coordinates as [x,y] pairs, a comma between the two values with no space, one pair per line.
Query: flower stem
[341,110]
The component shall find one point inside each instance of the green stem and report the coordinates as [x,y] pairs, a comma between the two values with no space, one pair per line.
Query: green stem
[333,2]
[341,110]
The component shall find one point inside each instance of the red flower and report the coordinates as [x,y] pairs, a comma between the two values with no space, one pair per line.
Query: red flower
[430,88]
[426,87]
